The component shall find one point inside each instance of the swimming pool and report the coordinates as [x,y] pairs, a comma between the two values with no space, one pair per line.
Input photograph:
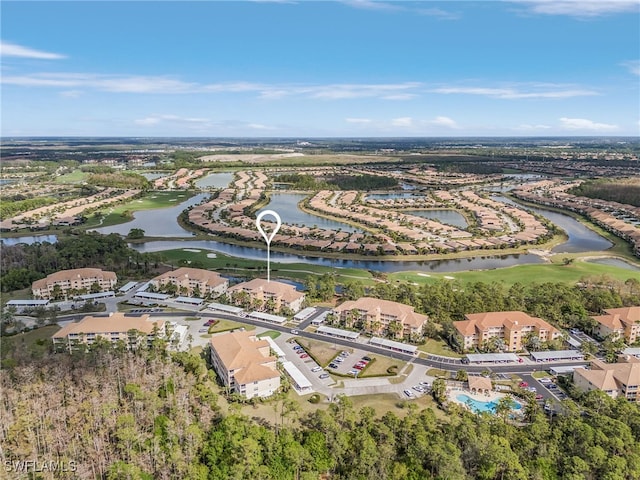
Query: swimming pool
[479,407]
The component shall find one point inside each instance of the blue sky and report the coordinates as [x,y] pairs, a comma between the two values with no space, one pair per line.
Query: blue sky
[333,68]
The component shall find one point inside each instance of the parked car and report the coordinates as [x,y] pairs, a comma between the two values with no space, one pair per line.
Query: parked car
[333,365]
[408,393]
[304,355]
[294,331]
[324,375]
[353,372]
[368,359]
[539,396]
[316,369]
[524,384]
[418,388]
[358,367]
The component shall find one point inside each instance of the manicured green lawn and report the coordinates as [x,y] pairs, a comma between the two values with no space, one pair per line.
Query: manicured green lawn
[76,176]
[270,333]
[438,347]
[242,266]
[226,325]
[525,274]
[121,213]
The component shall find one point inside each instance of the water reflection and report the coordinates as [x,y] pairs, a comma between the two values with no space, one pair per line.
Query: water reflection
[581,238]
[286,204]
[158,222]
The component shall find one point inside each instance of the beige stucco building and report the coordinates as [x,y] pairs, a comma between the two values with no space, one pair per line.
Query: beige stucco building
[133,331]
[620,322]
[260,291]
[77,281]
[189,280]
[510,327]
[620,379]
[244,364]
[377,315]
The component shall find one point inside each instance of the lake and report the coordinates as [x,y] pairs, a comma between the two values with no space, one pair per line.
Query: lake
[215,180]
[157,222]
[581,238]
[286,204]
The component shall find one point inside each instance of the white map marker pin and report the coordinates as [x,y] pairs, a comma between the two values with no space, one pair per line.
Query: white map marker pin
[268,238]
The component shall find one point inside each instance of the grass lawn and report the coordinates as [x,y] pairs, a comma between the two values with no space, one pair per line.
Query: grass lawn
[270,333]
[322,352]
[225,325]
[35,341]
[438,347]
[24,294]
[76,176]
[379,365]
[243,267]
[121,213]
[525,274]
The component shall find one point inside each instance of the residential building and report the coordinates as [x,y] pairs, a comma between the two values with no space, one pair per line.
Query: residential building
[260,294]
[74,282]
[133,331]
[620,322]
[620,379]
[192,282]
[244,364]
[511,328]
[379,317]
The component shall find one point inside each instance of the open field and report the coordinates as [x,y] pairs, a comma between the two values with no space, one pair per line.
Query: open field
[241,266]
[270,333]
[379,365]
[121,213]
[323,352]
[525,274]
[35,341]
[76,176]
[226,325]
[438,347]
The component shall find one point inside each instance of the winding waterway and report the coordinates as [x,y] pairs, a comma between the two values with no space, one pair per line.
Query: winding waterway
[162,223]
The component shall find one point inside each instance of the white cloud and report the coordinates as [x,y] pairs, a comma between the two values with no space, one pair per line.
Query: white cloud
[372,5]
[156,119]
[633,66]
[528,128]
[259,126]
[580,8]
[358,120]
[439,13]
[402,122]
[444,122]
[170,85]
[12,50]
[584,124]
[526,91]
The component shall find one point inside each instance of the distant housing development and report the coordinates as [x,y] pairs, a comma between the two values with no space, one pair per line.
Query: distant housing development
[74,282]
[620,322]
[244,364]
[192,282]
[620,379]
[381,317]
[512,328]
[261,294]
[133,331]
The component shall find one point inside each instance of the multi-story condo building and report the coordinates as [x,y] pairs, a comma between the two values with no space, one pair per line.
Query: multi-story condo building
[511,328]
[381,317]
[74,282]
[261,294]
[133,331]
[620,379]
[620,322]
[244,364]
[193,282]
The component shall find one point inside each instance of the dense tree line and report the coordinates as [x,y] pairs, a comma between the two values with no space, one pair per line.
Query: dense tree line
[9,208]
[304,182]
[619,190]
[363,182]
[563,305]
[22,264]
[128,180]
[145,415]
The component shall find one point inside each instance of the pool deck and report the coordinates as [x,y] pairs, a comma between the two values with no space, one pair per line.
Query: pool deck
[452,395]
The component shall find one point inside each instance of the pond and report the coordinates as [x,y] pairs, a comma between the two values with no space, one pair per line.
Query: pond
[286,205]
[29,239]
[391,195]
[615,262]
[581,238]
[157,222]
[215,180]
[448,217]
[484,262]
[154,175]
